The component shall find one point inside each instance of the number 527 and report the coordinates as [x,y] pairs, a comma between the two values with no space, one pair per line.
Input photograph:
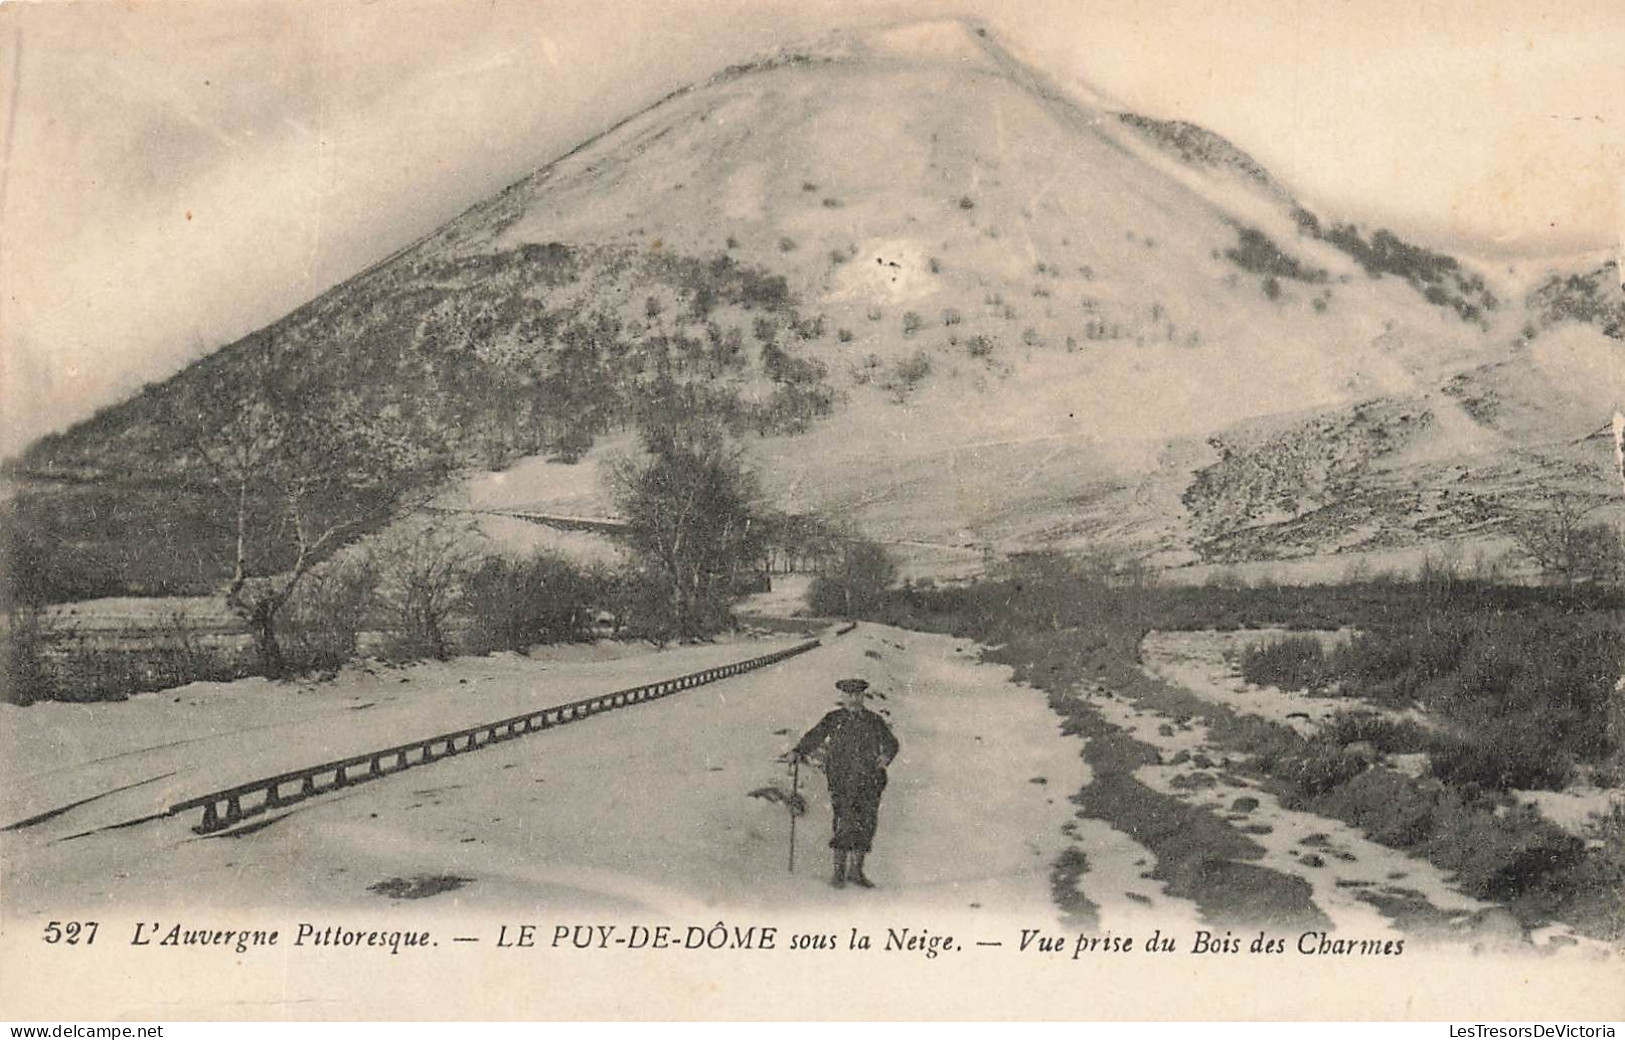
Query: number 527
[72,933]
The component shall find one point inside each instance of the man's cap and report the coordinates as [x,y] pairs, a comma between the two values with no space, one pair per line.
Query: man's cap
[852,685]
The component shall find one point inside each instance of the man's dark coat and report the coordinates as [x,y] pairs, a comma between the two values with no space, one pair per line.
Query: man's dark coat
[860,746]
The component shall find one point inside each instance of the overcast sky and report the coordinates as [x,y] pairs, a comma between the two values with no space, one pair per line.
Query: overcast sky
[177,174]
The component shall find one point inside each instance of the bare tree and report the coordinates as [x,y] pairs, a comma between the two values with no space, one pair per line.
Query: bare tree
[1569,549]
[796,542]
[855,579]
[305,469]
[694,516]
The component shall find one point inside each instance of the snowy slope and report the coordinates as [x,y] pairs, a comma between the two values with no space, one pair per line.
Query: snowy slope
[1041,319]
[929,172]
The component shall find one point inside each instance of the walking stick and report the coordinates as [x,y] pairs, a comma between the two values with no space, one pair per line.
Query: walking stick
[795,782]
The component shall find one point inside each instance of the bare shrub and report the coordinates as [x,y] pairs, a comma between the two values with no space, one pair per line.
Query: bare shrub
[422,570]
[544,598]
[1293,663]
[855,583]
[46,660]
[864,371]
[906,375]
[23,675]
[324,621]
[178,656]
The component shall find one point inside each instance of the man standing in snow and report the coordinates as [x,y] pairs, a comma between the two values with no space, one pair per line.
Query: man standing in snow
[859,746]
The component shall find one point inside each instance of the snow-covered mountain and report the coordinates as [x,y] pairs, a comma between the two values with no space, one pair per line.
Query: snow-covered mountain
[945,298]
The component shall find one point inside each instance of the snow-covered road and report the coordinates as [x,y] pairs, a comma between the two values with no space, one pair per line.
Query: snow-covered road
[649,811]
[643,810]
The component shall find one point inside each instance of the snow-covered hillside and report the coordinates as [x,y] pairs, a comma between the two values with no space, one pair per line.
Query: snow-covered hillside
[967,309]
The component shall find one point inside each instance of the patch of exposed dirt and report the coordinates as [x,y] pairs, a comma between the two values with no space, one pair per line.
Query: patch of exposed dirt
[1198,855]
[422,886]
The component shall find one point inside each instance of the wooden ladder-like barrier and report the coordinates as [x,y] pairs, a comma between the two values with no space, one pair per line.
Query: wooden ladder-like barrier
[229,806]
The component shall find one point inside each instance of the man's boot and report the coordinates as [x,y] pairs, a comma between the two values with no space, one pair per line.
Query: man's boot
[838,878]
[855,874]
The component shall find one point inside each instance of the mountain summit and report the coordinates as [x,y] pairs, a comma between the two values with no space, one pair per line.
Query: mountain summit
[937,294]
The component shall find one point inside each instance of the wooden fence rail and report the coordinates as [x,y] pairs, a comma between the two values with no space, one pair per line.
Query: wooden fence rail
[229,806]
